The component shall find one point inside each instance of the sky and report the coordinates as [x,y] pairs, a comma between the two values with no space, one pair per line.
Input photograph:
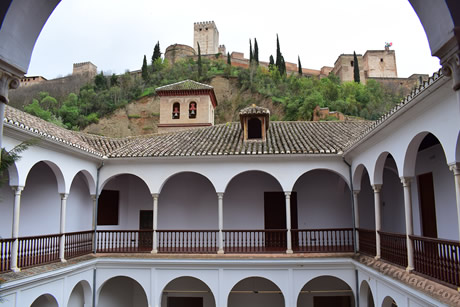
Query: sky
[116,34]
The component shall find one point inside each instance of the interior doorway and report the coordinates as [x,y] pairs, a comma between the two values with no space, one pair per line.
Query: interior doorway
[427,205]
[146,223]
[275,217]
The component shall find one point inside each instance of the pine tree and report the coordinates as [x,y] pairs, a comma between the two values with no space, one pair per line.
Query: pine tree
[229,59]
[256,52]
[271,63]
[355,68]
[145,73]
[250,52]
[200,65]
[300,66]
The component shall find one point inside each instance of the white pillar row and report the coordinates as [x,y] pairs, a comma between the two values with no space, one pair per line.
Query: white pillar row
[155,223]
[406,181]
[62,226]
[15,228]
[455,168]
[288,222]
[378,218]
[356,210]
[94,198]
[220,202]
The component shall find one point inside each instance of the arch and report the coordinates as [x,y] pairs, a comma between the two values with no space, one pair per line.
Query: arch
[256,291]
[254,128]
[45,300]
[366,297]
[252,171]
[184,172]
[122,291]
[13,175]
[89,181]
[192,109]
[388,301]
[357,176]
[107,180]
[410,158]
[186,288]
[457,150]
[81,295]
[57,173]
[379,167]
[345,180]
[176,110]
[326,289]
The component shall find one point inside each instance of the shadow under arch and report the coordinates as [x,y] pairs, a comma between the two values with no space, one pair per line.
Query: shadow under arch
[103,184]
[380,166]
[256,291]
[81,294]
[253,172]
[91,183]
[326,290]
[187,290]
[410,158]
[457,150]
[45,300]
[121,291]
[175,175]
[327,170]
[388,301]
[61,185]
[358,173]
[366,297]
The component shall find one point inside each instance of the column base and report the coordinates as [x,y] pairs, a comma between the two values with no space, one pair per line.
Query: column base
[220,252]
[289,251]
[409,269]
[63,260]
[154,251]
[16,270]
[377,257]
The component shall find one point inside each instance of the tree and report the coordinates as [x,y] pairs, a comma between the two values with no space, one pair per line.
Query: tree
[200,64]
[145,73]
[271,63]
[256,52]
[282,68]
[100,82]
[156,53]
[355,68]
[251,55]
[300,66]
[229,59]
[278,53]
[114,80]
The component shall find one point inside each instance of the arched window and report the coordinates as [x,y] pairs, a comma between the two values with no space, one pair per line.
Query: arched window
[254,128]
[176,111]
[192,110]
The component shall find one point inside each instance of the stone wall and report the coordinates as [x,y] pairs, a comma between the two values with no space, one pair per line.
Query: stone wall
[207,35]
[178,51]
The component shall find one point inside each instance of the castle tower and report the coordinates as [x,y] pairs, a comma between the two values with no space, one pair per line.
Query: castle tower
[186,104]
[207,35]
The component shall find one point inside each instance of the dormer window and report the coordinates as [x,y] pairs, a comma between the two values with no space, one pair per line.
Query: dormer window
[192,110]
[176,111]
[254,129]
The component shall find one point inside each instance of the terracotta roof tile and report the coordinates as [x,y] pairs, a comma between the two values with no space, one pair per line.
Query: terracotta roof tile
[184,85]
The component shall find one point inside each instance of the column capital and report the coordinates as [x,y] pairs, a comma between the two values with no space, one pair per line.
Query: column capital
[220,195]
[287,193]
[17,189]
[64,196]
[377,187]
[155,195]
[406,181]
[451,68]
[93,197]
[7,82]
[455,168]
[356,192]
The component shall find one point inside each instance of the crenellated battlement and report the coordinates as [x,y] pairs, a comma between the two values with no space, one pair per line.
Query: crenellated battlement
[207,35]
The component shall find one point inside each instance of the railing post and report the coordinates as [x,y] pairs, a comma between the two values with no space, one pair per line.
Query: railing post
[288,222]
[378,219]
[455,168]
[62,227]
[15,229]
[155,223]
[406,181]
[356,207]
[220,197]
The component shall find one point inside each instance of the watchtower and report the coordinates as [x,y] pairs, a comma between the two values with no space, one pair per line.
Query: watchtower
[207,35]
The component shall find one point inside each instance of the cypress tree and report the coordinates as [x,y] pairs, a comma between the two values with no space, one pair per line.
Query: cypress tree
[278,53]
[282,66]
[271,63]
[256,52]
[156,54]
[300,66]
[250,52]
[145,73]
[355,68]
[199,61]
[229,59]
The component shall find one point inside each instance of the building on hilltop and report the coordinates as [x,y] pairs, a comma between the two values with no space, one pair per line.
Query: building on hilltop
[84,68]
[206,34]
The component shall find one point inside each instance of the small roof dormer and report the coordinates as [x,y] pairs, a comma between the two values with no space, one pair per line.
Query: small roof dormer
[254,123]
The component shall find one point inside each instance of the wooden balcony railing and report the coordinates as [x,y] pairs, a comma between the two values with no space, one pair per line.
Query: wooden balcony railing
[5,254]
[367,243]
[78,244]
[124,241]
[255,241]
[436,258]
[393,248]
[38,250]
[322,240]
[188,241]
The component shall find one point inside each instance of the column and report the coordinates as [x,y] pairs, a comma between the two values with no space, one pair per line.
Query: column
[378,219]
[94,198]
[220,197]
[15,228]
[409,224]
[455,168]
[356,212]
[155,223]
[288,222]
[62,226]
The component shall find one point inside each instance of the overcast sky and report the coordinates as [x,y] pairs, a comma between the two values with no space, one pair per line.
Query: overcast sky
[115,34]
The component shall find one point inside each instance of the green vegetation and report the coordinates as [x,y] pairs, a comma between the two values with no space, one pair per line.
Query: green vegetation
[356,77]
[299,66]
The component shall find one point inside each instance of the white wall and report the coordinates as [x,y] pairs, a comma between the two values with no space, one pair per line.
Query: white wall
[77,298]
[188,284]
[433,160]
[325,286]
[244,200]
[6,209]
[366,205]
[392,202]
[122,292]
[79,214]
[323,201]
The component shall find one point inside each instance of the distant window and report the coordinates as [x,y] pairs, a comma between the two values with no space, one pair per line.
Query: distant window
[107,208]
[381,60]
[176,111]
[351,63]
[254,128]
[206,29]
[201,29]
[192,110]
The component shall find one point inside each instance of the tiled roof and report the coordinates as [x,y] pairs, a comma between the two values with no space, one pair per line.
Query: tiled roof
[254,110]
[184,85]
[282,138]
